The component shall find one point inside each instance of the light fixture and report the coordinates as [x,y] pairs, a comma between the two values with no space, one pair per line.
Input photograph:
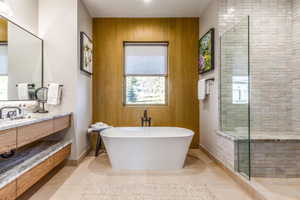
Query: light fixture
[5,9]
[147,1]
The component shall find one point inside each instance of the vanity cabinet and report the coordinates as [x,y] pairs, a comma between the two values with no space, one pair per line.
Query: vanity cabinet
[31,177]
[61,123]
[33,132]
[59,157]
[9,191]
[8,140]
[17,137]
[25,181]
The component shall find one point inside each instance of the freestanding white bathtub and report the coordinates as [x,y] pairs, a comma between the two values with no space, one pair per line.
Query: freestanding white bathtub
[147,148]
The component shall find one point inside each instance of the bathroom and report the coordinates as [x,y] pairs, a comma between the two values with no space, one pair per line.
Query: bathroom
[80,119]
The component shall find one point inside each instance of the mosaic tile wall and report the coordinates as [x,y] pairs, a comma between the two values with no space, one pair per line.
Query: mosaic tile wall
[273,82]
[296,66]
[276,159]
[234,64]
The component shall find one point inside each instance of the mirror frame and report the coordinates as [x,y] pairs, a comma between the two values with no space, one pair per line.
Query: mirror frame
[42,52]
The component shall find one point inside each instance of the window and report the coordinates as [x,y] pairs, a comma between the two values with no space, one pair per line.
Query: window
[3,72]
[146,72]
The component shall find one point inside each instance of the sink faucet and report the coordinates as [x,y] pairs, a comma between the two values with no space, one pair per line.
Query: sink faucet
[10,114]
[145,120]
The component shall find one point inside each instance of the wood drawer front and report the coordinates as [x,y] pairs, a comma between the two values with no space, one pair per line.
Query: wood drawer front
[8,192]
[60,156]
[8,140]
[61,123]
[31,133]
[25,181]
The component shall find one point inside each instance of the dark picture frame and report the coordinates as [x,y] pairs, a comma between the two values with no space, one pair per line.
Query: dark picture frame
[207,52]
[86,53]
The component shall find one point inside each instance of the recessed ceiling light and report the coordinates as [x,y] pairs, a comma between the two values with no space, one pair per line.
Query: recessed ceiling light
[147,1]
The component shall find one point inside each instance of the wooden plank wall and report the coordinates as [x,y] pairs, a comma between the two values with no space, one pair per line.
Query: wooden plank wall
[3,30]
[182,35]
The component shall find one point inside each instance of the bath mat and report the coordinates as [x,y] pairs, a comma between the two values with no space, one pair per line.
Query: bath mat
[151,192]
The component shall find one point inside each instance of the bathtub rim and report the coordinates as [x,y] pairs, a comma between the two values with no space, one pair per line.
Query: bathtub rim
[190,133]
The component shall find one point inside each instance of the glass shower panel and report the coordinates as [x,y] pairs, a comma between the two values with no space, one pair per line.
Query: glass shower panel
[235,90]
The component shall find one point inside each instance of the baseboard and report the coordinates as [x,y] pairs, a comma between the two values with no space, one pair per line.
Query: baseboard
[80,159]
[246,184]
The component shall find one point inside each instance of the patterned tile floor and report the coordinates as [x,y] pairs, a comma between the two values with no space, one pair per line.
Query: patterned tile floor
[201,179]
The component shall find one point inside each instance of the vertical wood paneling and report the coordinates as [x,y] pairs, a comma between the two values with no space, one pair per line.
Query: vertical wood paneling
[3,30]
[182,35]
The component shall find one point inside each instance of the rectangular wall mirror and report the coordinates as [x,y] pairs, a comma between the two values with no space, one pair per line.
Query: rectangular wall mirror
[21,59]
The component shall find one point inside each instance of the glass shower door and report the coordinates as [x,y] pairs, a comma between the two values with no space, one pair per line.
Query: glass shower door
[235,92]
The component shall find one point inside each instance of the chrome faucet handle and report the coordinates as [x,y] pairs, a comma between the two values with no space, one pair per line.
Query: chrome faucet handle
[11,114]
[10,108]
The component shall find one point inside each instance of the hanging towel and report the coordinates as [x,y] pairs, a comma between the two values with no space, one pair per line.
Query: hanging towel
[23,91]
[202,89]
[54,94]
[99,126]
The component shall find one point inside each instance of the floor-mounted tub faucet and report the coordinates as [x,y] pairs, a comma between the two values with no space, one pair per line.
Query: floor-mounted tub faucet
[145,120]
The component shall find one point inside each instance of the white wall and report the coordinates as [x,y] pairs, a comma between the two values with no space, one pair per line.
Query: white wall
[25,13]
[84,85]
[59,23]
[58,28]
[219,146]
[209,109]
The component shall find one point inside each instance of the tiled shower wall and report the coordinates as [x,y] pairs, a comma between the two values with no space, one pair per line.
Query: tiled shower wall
[274,42]
[234,45]
[296,65]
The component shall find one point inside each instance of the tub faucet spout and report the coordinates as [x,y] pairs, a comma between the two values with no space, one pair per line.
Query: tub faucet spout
[145,120]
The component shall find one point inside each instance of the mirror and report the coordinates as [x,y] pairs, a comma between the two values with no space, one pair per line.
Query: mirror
[20,62]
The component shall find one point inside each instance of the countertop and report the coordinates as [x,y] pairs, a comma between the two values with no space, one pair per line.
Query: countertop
[23,161]
[31,119]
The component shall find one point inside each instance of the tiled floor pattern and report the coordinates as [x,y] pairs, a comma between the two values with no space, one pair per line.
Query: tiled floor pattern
[201,179]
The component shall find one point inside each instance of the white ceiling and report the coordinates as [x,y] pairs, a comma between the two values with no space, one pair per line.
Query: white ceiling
[138,8]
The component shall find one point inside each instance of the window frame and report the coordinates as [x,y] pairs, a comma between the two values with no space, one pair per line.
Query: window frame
[166,75]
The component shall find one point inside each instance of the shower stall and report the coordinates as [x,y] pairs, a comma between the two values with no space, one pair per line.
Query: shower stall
[235,92]
[260,85]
